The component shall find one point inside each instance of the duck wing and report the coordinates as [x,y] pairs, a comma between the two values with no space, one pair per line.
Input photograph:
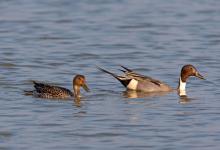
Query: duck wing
[139,77]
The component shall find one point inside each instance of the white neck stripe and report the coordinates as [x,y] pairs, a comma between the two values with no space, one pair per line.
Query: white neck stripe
[182,87]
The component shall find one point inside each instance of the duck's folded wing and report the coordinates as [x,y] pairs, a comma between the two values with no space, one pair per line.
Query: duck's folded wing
[140,77]
[133,75]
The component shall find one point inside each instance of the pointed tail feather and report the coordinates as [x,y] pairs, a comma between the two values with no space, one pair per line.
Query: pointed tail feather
[122,70]
[108,72]
[129,70]
[28,92]
[122,79]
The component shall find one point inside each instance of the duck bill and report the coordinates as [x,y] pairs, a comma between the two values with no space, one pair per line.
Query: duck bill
[85,87]
[199,76]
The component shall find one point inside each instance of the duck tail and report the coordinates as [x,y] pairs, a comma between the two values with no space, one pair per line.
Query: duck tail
[122,79]
[28,92]
[108,72]
[35,82]
[129,70]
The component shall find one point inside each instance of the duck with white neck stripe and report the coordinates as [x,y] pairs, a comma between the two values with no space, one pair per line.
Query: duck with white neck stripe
[137,82]
[186,72]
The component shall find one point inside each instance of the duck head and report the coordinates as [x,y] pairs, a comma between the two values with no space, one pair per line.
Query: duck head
[189,70]
[186,72]
[79,81]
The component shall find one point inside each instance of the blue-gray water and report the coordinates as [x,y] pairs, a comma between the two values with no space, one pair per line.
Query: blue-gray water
[52,40]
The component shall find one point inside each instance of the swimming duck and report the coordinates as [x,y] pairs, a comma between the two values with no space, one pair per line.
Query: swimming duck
[43,90]
[134,81]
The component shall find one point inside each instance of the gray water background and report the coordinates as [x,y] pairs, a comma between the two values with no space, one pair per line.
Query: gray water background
[52,40]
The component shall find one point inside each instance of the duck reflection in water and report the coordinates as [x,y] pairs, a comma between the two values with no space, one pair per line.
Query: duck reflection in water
[77,102]
[140,94]
[185,99]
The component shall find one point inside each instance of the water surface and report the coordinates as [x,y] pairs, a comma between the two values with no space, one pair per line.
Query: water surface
[53,40]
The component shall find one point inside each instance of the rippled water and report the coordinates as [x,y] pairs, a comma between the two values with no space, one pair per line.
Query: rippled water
[52,40]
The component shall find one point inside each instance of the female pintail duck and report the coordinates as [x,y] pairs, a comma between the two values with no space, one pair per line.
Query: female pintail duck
[43,90]
[134,81]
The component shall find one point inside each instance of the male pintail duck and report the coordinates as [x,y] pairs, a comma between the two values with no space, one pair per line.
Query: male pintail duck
[134,81]
[43,90]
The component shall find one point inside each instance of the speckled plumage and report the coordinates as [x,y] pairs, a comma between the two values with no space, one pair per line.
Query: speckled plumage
[43,90]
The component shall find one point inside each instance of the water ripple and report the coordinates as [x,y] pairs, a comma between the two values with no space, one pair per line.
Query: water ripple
[51,41]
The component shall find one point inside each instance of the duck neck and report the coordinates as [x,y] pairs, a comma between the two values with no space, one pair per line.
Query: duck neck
[76,91]
[182,88]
